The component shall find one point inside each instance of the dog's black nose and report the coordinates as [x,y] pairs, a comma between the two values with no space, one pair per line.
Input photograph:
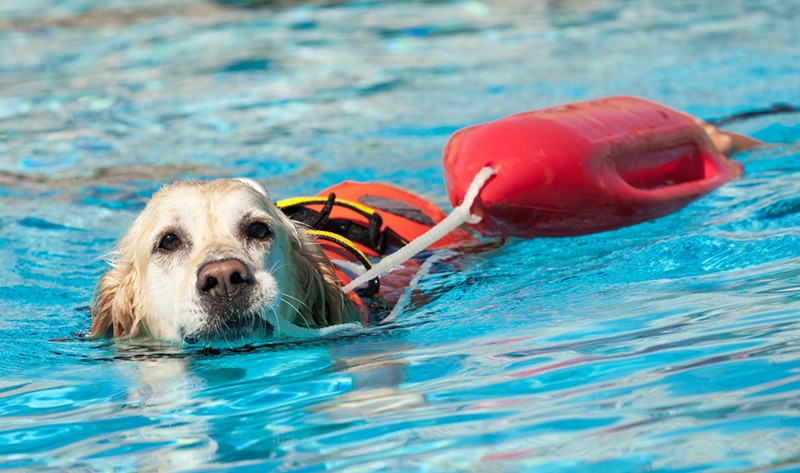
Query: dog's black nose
[223,278]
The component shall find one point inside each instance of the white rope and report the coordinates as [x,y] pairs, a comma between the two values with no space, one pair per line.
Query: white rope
[458,216]
[405,298]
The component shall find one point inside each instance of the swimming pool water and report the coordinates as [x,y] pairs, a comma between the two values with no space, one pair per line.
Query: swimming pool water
[672,345]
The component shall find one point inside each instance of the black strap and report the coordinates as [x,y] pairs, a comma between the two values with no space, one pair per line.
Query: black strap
[774,109]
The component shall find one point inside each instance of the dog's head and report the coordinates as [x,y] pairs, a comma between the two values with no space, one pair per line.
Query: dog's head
[215,260]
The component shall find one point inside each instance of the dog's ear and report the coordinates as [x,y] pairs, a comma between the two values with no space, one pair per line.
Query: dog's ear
[323,301]
[114,308]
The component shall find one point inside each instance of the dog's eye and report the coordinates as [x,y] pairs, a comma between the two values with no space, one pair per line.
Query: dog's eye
[258,231]
[169,242]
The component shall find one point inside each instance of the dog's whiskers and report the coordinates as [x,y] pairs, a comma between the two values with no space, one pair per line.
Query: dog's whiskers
[297,308]
[277,319]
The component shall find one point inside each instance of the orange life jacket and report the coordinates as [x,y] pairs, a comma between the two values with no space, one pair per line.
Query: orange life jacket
[356,222]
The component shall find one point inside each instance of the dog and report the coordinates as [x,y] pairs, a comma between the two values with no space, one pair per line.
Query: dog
[210,261]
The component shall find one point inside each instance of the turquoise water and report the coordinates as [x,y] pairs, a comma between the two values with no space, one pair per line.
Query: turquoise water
[672,346]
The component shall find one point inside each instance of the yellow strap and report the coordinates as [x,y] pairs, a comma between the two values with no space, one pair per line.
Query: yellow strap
[344,242]
[322,201]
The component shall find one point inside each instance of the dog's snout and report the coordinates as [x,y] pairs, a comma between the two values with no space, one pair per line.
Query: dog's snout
[223,278]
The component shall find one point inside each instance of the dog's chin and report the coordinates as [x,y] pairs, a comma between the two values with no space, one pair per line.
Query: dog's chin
[230,321]
[232,328]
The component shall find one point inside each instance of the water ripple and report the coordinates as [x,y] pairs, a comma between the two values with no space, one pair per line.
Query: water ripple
[667,346]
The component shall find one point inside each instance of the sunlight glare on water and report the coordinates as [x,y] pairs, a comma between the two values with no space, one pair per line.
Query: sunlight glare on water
[667,346]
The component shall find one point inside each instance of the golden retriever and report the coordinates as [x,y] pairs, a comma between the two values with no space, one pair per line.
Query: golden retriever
[216,261]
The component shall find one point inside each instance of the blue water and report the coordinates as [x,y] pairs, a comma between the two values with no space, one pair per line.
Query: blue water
[672,346]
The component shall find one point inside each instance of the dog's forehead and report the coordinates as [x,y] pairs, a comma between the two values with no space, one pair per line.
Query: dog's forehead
[223,198]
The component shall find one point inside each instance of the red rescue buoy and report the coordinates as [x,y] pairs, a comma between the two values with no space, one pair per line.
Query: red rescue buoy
[584,168]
